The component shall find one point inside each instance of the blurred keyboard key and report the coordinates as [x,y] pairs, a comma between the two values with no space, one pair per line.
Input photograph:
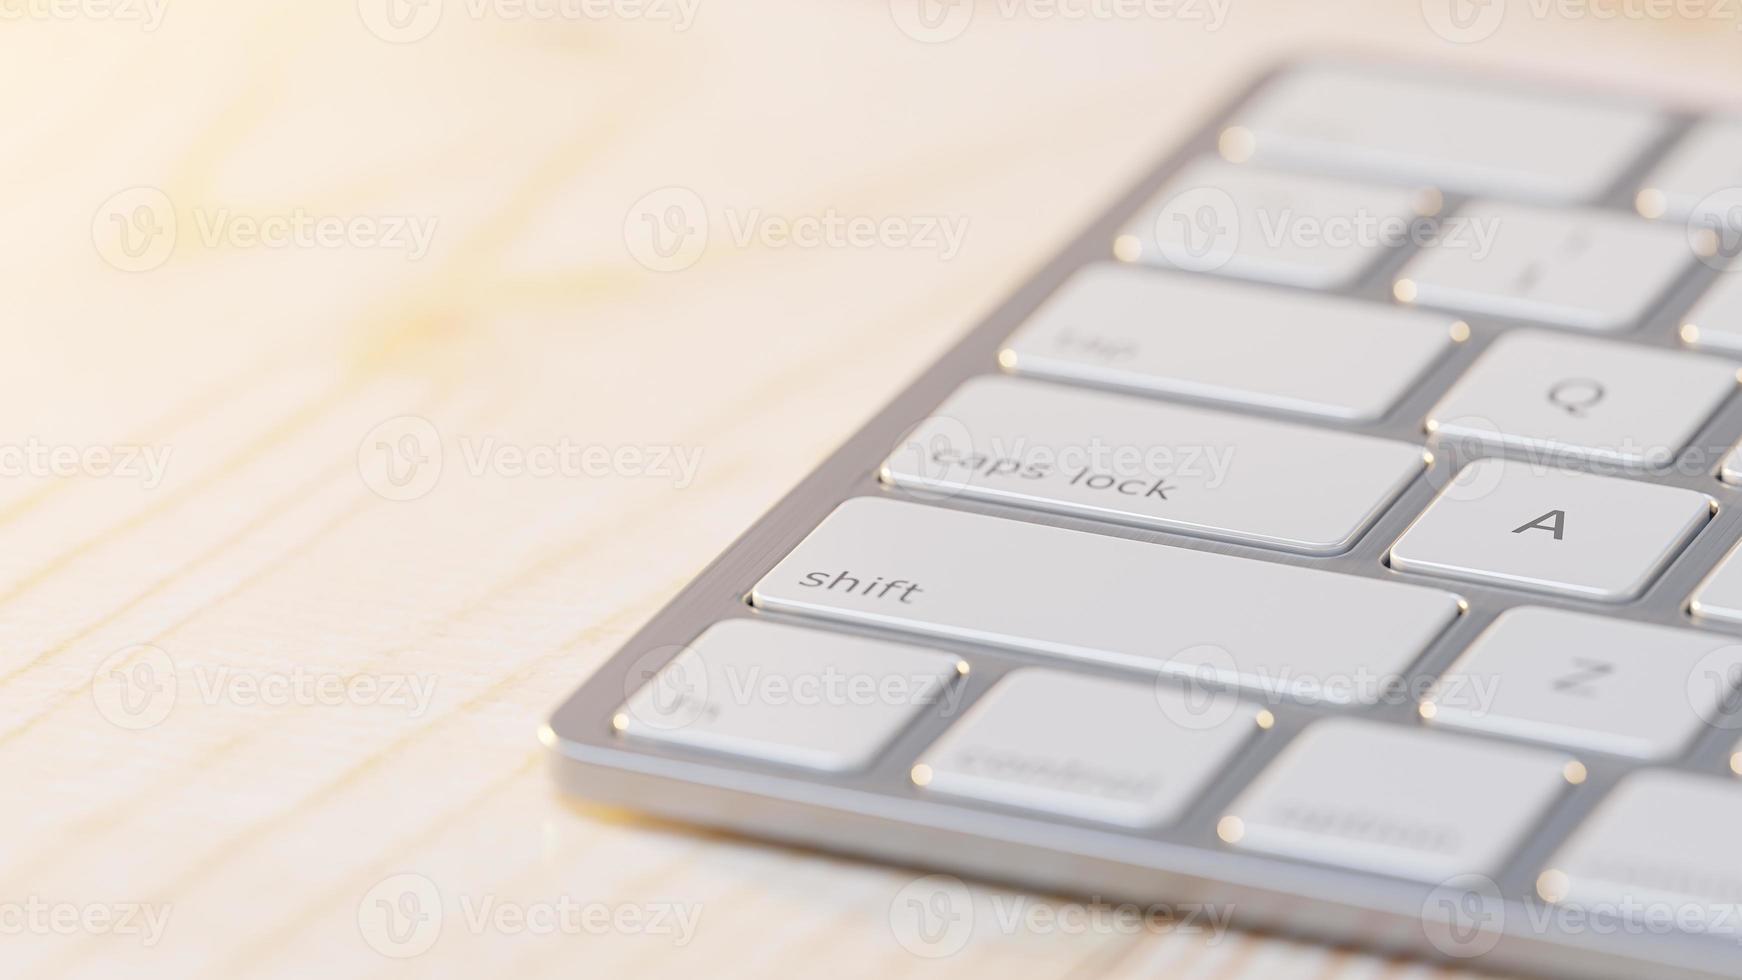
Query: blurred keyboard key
[1163,333]
[1661,851]
[1594,270]
[1719,597]
[1459,134]
[1132,753]
[1589,682]
[1514,524]
[1702,170]
[1715,322]
[1115,457]
[1555,396]
[1730,471]
[1397,801]
[1279,629]
[1244,221]
[787,695]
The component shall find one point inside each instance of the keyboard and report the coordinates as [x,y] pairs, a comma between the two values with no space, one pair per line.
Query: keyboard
[1342,531]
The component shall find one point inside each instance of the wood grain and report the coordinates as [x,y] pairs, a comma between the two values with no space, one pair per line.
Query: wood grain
[261,822]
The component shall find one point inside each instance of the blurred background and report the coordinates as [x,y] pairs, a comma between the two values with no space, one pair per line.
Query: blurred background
[374,367]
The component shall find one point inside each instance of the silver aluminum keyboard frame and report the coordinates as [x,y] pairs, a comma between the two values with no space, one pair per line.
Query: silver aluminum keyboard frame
[879,814]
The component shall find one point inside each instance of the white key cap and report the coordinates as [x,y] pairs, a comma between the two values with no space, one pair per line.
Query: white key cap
[1274,628]
[1736,759]
[1178,335]
[1320,232]
[1715,322]
[1510,523]
[1730,471]
[1397,801]
[784,694]
[1114,457]
[1571,397]
[1500,139]
[1589,269]
[1112,751]
[1705,162]
[1719,597]
[1589,682]
[1661,849]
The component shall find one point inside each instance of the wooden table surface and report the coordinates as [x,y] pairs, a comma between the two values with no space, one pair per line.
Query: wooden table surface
[353,413]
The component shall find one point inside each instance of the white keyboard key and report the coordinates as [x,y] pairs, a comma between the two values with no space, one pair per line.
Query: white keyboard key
[1274,628]
[1115,457]
[1178,335]
[1589,269]
[1453,133]
[1111,751]
[1397,801]
[1589,682]
[1715,322]
[1704,164]
[1730,471]
[1514,524]
[1719,597]
[1661,852]
[1320,232]
[788,695]
[1572,397]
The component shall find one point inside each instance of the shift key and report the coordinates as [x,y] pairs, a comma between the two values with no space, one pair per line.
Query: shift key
[1281,630]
